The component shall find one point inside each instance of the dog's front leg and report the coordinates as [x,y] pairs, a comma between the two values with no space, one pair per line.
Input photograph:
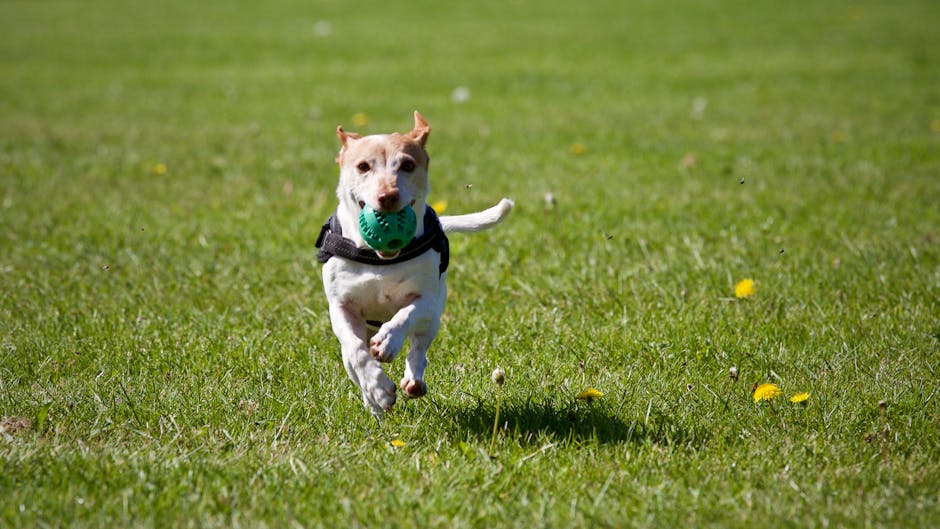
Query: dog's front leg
[419,320]
[415,317]
[378,392]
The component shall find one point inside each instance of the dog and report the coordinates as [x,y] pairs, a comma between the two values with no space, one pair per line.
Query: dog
[378,299]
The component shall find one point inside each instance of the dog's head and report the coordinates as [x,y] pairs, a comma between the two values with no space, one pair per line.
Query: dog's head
[386,171]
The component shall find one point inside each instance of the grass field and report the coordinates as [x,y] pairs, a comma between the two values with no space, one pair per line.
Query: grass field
[166,354]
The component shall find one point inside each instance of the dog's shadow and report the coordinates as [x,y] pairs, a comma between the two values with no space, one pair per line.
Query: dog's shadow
[541,421]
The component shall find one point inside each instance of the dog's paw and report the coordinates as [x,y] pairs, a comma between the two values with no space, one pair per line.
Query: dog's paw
[380,397]
[414,388]
[385,345]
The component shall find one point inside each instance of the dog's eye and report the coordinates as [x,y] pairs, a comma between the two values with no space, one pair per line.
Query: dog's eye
[363,167]
[407,166]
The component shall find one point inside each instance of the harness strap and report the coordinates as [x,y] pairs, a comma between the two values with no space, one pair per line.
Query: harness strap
[331,243]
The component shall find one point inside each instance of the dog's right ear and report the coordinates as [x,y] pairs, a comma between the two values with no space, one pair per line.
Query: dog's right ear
[344,138]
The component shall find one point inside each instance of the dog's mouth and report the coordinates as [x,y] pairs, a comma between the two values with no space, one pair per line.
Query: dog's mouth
[362,205]
[382,254]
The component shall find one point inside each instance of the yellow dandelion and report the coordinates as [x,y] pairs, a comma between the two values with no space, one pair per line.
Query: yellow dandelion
[766,392]
[159,169]
[935,125]
[589,394]
[360,119]
[578,149]
[799,398]
[397,443]
[839,136]
[439,206]
[744,288]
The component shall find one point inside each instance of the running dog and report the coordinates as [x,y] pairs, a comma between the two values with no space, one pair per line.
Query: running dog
[379,298]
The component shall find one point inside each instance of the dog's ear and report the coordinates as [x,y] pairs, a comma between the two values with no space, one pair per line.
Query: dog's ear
[344,138]
[421,131]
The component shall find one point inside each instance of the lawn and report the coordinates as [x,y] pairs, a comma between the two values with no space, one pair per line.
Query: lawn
[166,357]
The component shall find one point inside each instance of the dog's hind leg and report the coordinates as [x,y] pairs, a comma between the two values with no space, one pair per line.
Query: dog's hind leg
[412,383]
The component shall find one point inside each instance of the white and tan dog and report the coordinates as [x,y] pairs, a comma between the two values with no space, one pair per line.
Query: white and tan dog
[377,299]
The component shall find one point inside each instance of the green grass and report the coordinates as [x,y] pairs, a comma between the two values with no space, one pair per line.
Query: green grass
[165,339]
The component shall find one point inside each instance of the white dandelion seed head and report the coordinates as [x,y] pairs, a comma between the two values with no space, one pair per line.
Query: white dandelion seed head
[323,28]
[499,376]
[549,199]
[461,94]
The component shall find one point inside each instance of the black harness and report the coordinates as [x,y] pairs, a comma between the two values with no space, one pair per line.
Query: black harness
[331,242]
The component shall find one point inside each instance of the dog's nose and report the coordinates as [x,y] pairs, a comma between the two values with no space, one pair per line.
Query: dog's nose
[388,200]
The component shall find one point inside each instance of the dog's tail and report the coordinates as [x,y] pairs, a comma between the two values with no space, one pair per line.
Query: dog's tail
[478,221]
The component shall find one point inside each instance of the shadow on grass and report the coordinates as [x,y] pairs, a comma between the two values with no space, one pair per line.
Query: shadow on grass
[535,422]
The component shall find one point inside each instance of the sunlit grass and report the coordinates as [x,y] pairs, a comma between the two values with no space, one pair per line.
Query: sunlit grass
[165,351]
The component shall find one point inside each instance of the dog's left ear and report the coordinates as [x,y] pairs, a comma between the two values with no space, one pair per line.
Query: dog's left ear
[421,131]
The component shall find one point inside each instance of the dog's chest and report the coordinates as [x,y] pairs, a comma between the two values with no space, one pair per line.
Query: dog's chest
[380,291]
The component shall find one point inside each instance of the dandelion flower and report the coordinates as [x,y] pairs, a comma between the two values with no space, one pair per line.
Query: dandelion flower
[744,288]
[799,398]
[397,443]
[589,394]
[439,206]
[360,119]
[766,392]
[935,125]
[578,149]
[159,169]
[499,376]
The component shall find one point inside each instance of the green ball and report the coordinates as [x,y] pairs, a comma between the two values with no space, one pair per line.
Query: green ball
[387,232]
